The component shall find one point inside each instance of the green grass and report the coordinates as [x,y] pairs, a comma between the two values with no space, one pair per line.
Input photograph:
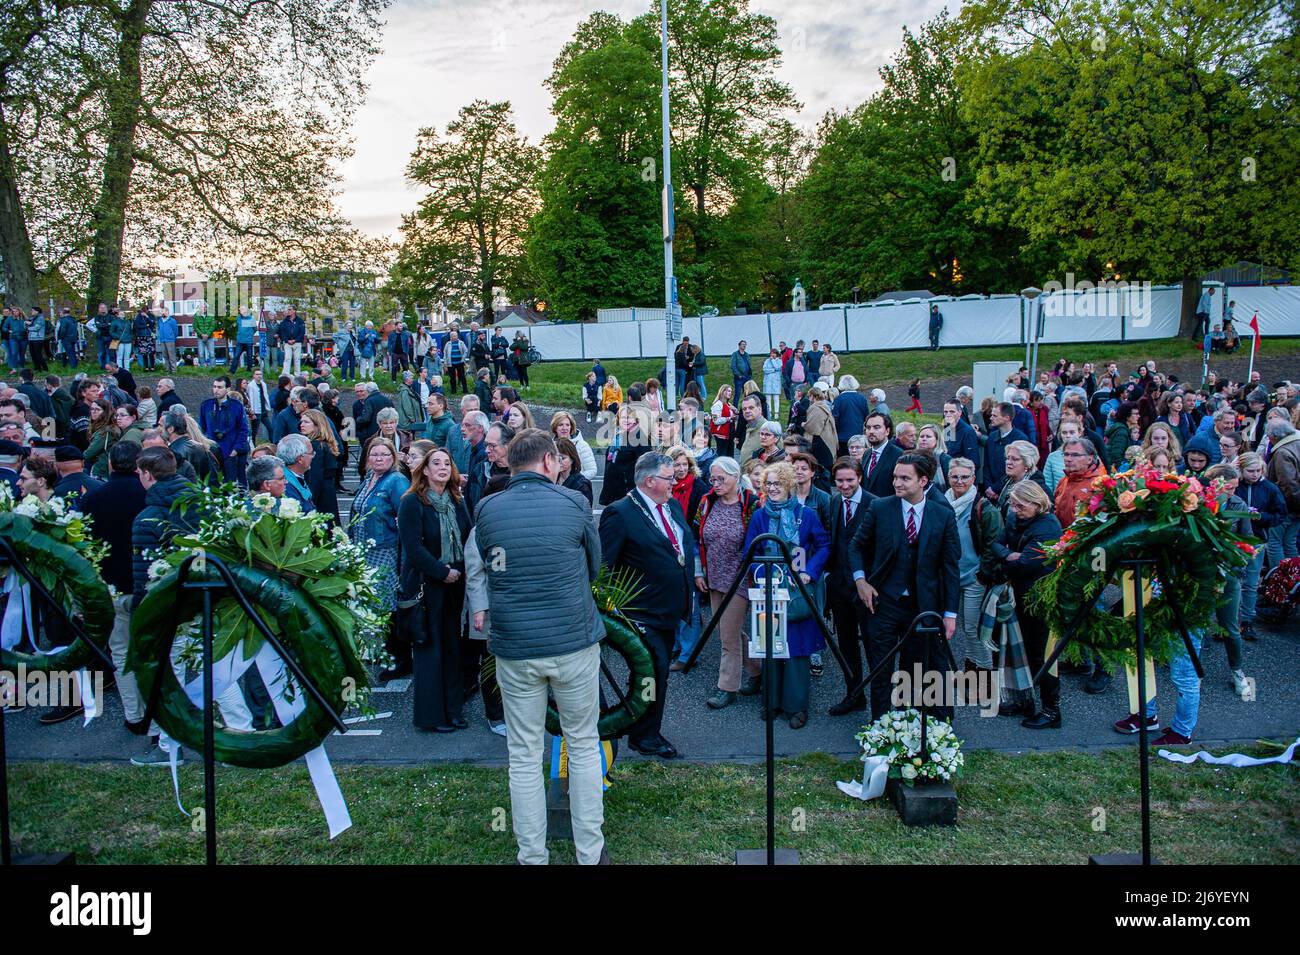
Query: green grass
[1037,808]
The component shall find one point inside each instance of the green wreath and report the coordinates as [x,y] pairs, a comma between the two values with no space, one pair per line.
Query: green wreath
[622,637]
[73,581]
[302,627]
[1166,519]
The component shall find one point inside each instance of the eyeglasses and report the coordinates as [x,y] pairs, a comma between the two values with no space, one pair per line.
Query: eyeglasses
[773,484]
[665,477]
[715,481]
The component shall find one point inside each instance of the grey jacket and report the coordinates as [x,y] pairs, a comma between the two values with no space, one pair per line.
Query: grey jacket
[540,547]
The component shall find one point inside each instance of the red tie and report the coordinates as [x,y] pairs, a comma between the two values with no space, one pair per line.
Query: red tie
[911,525]
[669,528]
[848,512]
[872,466]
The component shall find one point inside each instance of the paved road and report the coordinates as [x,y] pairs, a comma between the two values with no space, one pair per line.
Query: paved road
[736,733]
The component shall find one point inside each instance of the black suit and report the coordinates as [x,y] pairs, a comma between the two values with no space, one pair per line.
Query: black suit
[880,550]
[852,624]
[881,480]
[629,539]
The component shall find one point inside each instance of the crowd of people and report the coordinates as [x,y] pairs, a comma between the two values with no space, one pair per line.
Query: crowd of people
[478,521]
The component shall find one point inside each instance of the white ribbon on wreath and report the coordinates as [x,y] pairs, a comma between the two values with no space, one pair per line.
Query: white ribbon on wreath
[18,620]
[225,675]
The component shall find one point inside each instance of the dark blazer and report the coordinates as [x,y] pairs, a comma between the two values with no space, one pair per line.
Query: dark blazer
[881,482]
[995,457]
[880,536]
[421,550]
[839,576]
[113,506]
[628,540]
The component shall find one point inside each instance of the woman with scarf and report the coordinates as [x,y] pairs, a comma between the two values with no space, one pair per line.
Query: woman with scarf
[688,489]
[797,525]
[979,524]
[373,518]
[433,524]
[720,525]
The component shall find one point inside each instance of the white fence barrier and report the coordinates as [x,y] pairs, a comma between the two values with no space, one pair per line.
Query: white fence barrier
[1069,317]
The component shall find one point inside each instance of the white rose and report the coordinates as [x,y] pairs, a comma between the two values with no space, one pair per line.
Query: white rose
[290,508]
[908,771]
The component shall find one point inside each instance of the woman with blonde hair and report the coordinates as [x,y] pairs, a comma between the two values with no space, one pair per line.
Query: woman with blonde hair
[1164,437]
[797,525]
[372,522]
[565,425]
[1022,465]
[518,417]
[323,474]
[414,456]
[611,394]
[433,523]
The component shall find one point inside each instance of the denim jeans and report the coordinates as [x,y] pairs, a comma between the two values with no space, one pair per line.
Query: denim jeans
[1227,617]
[688,632]
[102,342]
[207,352]
[348,364]
[1282,540]
[704,391]
[1183,676]
[124,351]
[1250,586]
[244,349]
[12,354]
[681,381]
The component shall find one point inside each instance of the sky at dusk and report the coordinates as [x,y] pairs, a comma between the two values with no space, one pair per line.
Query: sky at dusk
[438,56]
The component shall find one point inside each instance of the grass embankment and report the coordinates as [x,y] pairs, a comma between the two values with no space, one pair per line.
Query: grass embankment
[1036,808]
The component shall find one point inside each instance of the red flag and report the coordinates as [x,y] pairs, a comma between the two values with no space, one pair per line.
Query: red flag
[1254,327]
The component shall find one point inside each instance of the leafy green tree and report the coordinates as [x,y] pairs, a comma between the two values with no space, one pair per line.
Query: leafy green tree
[1129,133]
[466,237]
[596,239]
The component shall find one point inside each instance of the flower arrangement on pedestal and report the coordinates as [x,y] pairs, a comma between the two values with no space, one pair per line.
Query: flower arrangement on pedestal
[896,737]
[1174,521]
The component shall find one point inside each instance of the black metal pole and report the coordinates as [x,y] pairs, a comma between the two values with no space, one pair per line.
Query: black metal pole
[6,852]
[1138,566]
[209,737]
[769,715]
[925,672]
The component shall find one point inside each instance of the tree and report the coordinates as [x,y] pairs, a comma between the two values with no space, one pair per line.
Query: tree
[596,238]
[1130,132]
[466,236]
[886,202]
[201,126]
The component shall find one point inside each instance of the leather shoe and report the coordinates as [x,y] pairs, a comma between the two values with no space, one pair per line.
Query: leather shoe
[848,705]
[395,673]
[750,685]
[59,714]
[460,723]
[1048,719]
[799,720]
[676,667]
[1097,683]
[654,746]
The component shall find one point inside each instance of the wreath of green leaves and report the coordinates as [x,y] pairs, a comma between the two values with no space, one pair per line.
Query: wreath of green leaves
[1191,569]
[621,636]
[73,581]
[326,658]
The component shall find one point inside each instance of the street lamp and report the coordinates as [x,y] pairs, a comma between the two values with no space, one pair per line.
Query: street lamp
[856,290]
[1032,293]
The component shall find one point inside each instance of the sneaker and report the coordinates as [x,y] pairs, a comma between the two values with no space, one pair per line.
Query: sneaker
[720,699]
[1241,685]
[1130,724]
[1170,738]
[498,727]
[815,664]
[157,756]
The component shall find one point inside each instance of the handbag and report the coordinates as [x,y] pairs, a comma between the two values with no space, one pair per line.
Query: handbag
[798,609]
[411,622]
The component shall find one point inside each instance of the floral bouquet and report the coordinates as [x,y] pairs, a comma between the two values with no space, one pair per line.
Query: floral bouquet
[897,737]
[57,521]
[275,537]
[1179,524]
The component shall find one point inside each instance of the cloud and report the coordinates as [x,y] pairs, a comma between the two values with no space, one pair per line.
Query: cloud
[439,55]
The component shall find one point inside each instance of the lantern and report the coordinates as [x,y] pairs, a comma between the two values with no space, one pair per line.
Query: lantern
[758,618]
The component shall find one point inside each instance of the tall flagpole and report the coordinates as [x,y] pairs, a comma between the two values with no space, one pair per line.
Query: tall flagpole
[670,283]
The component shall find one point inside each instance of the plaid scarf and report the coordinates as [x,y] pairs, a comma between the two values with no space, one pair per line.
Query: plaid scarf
[998,619]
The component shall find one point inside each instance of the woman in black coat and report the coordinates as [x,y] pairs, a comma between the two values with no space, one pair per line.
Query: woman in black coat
[1031,525]
[571,469]
[326,463]
[632,441]
[433,524]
